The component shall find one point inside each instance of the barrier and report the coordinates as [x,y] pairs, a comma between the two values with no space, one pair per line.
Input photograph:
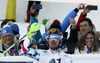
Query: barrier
[86,58]
[78,58]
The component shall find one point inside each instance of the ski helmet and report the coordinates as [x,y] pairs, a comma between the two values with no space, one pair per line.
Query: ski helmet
[57,33]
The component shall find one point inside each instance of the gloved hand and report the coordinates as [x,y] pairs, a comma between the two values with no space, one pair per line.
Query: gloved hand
[34,28]
[33,53]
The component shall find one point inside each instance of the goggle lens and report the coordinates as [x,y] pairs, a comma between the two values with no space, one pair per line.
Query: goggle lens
[53,37]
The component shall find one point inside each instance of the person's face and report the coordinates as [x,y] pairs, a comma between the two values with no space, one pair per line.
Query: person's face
[89,40]
[84,26]
[53,44]
[8,39]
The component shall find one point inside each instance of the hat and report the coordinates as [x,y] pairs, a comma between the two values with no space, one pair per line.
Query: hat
[6,30]
[44,21]
[48,22]
[55,25]
[15,27]
[10,23]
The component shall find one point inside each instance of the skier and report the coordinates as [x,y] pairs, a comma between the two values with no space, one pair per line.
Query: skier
[54,54]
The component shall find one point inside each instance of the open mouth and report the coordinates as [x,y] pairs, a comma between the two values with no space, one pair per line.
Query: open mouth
[89,43]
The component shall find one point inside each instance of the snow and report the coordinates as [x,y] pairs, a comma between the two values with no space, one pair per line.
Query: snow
[52,10]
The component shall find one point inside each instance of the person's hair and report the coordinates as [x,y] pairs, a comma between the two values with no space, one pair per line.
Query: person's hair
[81,43]
[4,22]
[88,20]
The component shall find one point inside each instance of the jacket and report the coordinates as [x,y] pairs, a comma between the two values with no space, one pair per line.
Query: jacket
[77,51]
[11,52]
[41,55]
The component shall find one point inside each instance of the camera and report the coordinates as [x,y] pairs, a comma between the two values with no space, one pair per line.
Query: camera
[92,7]
[38,6]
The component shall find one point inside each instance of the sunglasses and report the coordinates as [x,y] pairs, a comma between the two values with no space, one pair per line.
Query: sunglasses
[54,37]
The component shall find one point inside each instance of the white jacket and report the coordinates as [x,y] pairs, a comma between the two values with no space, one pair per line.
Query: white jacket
[59,57]
[47,56]
[85,51]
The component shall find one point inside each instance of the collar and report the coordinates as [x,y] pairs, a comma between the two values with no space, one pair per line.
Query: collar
[53,51]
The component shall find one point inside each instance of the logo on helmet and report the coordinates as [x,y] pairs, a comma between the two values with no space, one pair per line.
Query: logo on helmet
[53,30]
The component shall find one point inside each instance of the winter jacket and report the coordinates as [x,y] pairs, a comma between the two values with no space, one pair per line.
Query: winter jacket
[80,17]
[11,52]
[59,57]
[86,51]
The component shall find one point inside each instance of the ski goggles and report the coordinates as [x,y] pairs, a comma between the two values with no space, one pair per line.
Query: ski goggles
[55,37]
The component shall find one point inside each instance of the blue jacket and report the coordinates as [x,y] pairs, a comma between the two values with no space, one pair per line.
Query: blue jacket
[64,24]
[38,35]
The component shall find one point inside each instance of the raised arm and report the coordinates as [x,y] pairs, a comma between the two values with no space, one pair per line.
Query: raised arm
[82,15]
[33,16]
[72,14]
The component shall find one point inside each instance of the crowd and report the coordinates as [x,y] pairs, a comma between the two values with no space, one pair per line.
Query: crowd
[54,45]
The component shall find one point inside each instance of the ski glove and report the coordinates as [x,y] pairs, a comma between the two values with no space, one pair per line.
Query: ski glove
[34,28]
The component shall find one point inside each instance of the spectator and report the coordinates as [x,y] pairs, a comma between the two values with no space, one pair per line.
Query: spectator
[88,43]
[15,38]
[85,24]
[7,40]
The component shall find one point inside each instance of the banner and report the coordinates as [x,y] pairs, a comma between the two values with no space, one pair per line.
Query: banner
[77,58]
[74,1]
[11,10]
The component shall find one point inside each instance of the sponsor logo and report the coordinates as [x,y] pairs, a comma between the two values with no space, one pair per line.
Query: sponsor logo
[4,31]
